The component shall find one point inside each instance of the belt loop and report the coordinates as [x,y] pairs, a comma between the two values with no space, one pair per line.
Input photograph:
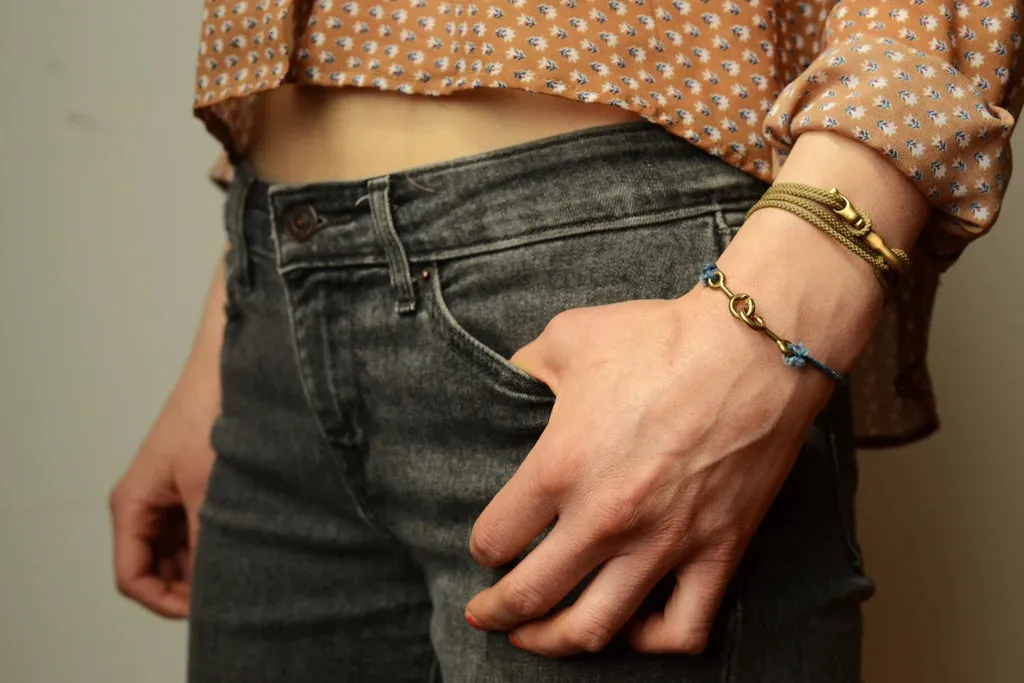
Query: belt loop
[384,227]
[234,222]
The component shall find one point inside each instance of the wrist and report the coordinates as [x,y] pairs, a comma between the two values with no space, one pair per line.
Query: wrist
[808,288]
[198,387]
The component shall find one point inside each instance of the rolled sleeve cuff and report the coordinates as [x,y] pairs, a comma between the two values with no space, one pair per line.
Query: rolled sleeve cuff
[928,119]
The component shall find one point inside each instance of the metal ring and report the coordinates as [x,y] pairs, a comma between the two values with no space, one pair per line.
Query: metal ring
[744,298]
[753,321]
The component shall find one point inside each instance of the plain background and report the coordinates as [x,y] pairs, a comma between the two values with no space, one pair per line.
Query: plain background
[110,231]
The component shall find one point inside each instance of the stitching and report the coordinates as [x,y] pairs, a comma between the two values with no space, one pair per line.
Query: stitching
[548,234]
[502,374]
[398,262]
[305,379]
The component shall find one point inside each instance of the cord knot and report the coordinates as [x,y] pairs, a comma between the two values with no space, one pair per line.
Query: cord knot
[797,356]
[707,272]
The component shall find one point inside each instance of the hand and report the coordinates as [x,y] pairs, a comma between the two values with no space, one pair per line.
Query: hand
[672,431]
[154,506]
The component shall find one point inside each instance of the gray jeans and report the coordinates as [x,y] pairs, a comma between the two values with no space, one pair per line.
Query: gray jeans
[369,415]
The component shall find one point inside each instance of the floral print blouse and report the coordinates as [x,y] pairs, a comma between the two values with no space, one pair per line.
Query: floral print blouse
[933,85]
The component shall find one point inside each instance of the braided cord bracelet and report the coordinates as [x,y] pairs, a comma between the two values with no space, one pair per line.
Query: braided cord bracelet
[858,223]
[832,213]
[794,355]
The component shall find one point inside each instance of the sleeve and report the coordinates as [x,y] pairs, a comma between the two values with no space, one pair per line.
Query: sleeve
[933,86]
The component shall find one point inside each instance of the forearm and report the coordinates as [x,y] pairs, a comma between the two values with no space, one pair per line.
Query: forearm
[807,286]
[202,371]
[897,208]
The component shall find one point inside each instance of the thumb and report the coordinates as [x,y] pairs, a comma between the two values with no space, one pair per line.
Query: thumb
[193,540]
[192,504]
[193,529]
[534,360]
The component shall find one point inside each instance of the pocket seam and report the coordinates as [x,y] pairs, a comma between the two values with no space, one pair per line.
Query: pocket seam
[495,367]
[847,523]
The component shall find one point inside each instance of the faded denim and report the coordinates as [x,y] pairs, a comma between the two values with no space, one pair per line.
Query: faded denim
[369,415]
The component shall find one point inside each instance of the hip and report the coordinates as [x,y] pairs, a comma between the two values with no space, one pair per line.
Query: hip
[367,388]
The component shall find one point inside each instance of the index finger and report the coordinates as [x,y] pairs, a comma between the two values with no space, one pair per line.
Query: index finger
[517,514]
[522,508]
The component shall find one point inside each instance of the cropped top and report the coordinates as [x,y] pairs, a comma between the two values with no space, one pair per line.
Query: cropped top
[934,86]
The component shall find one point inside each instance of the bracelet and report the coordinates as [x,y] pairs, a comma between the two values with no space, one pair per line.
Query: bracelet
[832,213]
[793,354]
[859,222]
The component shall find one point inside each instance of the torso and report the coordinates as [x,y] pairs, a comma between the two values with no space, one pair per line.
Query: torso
[307,134]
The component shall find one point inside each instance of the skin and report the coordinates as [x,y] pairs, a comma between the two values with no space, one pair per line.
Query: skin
[646,483]
[644,480]
[155,505]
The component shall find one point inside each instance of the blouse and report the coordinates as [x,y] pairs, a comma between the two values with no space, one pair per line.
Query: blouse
[932,85]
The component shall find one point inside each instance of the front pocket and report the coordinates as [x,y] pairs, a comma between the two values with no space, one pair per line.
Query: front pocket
[488,305]
[490,362]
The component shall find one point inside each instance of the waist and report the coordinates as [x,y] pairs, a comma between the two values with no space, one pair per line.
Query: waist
[603,178]
[311,134]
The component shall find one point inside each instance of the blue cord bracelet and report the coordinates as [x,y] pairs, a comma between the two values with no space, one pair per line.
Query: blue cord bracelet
[795,355]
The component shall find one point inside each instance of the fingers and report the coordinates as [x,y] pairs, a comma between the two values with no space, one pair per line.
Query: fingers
[534,361]
[556,566]
[137,567]
[523,508]
[528,502]
[600,612]
[686,623]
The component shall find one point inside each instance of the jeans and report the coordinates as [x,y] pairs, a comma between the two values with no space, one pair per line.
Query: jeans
[370,413]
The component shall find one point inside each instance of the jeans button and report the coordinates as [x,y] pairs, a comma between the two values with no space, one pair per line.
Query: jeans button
[301,221]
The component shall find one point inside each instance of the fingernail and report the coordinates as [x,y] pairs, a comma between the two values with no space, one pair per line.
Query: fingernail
[471,620]
[515,641]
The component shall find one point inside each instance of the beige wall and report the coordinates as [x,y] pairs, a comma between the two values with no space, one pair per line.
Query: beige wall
[107,237]
[942,523]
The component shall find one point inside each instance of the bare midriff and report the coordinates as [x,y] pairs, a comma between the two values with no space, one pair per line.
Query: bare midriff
[304,134]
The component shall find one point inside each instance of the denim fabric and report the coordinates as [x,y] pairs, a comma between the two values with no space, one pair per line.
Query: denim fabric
[369,415]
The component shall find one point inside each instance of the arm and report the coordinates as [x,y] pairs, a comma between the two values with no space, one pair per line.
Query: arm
[908,111]
[154,506]
[807,284]
[627,446]
[667,483]
[204,359]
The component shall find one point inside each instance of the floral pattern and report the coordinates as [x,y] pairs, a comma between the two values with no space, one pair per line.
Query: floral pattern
[933,85]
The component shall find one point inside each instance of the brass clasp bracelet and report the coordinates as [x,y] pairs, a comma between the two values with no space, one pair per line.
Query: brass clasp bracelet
[742,308]
[832,213]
